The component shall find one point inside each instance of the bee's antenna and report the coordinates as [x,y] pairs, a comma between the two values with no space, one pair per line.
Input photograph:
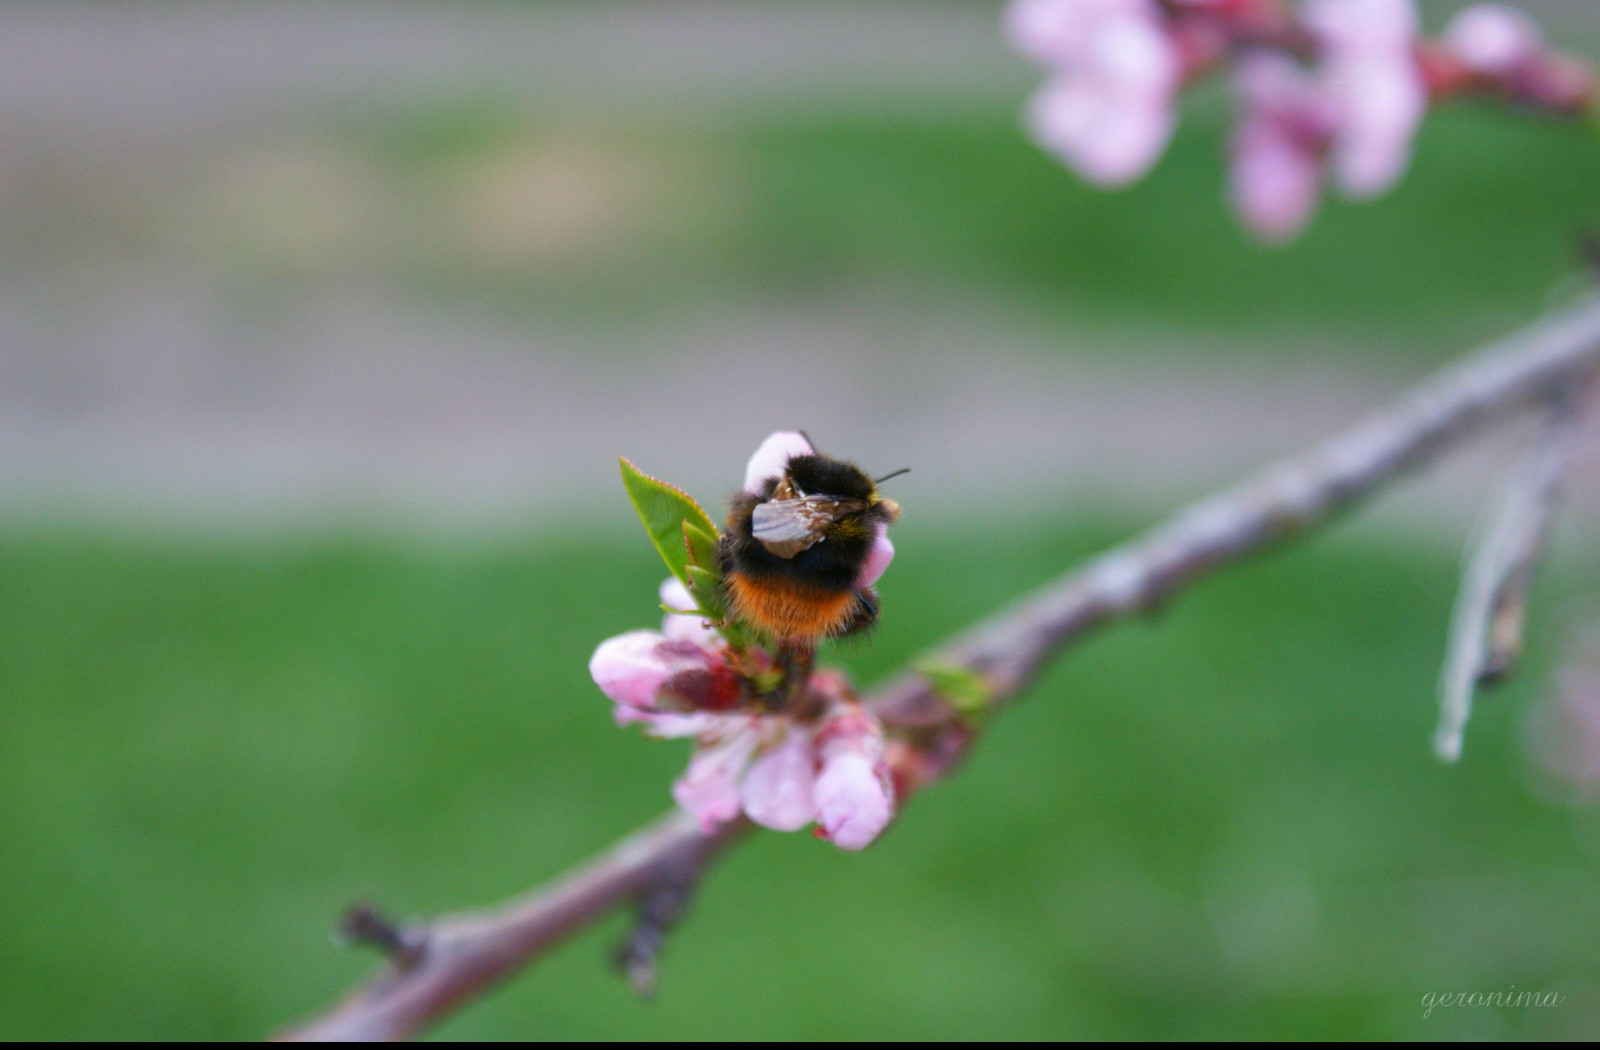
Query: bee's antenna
[803,434]
[892,474]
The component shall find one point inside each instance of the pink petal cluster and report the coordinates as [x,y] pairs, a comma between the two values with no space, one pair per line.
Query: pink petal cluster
[1107,108]
[1326,88]
[784,775]
[1369,71]
[1355,113]
[1284,122]
[780,771]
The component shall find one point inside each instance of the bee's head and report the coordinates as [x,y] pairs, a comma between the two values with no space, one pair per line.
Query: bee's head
[821,476]
[818,475]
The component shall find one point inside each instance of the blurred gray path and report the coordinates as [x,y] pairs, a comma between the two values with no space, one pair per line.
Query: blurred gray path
[140,378]
[144,69]
[355,409]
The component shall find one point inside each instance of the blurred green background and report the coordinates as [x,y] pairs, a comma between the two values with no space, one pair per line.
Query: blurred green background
[320,325]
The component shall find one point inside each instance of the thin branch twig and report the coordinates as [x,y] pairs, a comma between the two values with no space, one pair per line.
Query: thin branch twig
[1486,625]
[464,957]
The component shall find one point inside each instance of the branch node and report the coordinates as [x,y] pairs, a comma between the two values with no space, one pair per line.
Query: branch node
[363,924]
[659,907]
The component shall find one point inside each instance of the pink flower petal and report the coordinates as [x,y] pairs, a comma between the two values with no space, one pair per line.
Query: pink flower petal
[878,558]
[709,788]
[1046,31]
[693,628]
[855,800]
[777,789]
[669,725]
[1131,51]
[773,456]
[1059,32]
[1273,181]
[1109,137]
[1493,39]
[1363,25]
[1380,103]
[630,669]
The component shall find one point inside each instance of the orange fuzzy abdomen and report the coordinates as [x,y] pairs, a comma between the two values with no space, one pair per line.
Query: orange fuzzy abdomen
[789,609]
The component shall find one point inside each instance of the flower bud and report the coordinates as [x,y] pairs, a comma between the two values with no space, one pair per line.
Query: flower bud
[1493,40]
[855,799]
[773,456]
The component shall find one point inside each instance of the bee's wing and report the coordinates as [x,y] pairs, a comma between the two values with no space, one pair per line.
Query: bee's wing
[785,527]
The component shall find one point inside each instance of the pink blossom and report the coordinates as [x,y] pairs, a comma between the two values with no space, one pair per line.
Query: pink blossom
[1273,181]
[1277,146]
[763,765]
[778,787]
[1057,32]
[773,456]
[685,681]
[1377,93]
[1107,108]
[1362,26]
[651,676]
[629,668]
[854,796]
[1493,40]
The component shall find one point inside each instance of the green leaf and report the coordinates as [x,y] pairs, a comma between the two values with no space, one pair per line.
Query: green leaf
[665,511]
[705,588]
[702,546]
[962,688]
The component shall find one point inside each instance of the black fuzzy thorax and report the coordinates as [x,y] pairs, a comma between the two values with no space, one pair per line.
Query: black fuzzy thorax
[831,564]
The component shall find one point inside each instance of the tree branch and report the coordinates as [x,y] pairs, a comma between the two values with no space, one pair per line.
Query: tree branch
[459,958]
[1487,623]
[455,959]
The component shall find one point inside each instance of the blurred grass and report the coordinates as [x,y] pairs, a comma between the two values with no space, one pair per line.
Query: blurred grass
[1223,822]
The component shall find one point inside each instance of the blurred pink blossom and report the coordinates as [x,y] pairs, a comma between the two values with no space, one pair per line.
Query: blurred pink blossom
[1569,730]
[1493,40]
[1107,108]
[1277,145]
[1373,83]
[709,788]
[1345,88]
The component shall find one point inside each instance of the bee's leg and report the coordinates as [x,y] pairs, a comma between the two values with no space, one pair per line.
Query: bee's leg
[795,661]
[865,614]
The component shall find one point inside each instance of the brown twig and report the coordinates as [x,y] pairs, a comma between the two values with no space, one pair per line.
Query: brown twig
[1486,626]
[463,957]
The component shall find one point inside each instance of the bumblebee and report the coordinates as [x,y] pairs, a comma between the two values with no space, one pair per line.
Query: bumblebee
[794,550]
